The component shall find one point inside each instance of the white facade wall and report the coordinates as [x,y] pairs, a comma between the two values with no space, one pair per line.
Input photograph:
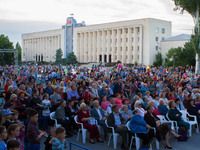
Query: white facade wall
[127,41]
[167,45]
[42,43]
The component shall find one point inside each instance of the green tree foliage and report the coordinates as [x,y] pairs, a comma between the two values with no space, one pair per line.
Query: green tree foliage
[6,58]
[71,59]
[59,55]
[181,56]
[158,60]
[19,52]
[193,8]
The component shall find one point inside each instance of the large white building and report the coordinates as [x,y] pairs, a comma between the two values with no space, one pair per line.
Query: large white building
[42,46]
[173,42]
[128,41]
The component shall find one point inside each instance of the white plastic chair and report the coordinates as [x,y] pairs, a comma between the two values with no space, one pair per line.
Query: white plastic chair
[114,135]
[81,129]
[52,117]
[164,120]
[194,122]
[175,124]
[137,139]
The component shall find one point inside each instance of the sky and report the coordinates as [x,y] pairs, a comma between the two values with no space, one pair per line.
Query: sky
[25,16]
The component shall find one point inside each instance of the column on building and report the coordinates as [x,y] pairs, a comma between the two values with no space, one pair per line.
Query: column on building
[85,47]
[135,45]
[98,46]
[140,45]
[113,45]
[129,52]
[93,46]
[81,50]
[89,46]
[118,44]
[109,48]
[102,45]
[77,48]
[123,52]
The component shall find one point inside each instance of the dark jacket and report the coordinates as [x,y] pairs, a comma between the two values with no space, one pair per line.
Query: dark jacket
[111,120]
[95,114]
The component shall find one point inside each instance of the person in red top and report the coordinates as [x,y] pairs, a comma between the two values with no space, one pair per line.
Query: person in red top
[88,123]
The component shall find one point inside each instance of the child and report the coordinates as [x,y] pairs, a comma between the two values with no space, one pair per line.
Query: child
[33,133]
[58,143]
[46,104]
[14,134]
[13,145]
[48,142]
[3,136]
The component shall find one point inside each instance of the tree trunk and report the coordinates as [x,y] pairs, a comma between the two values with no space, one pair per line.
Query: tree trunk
[197,69]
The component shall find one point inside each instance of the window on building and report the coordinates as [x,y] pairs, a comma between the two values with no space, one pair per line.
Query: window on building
[132,30]
[157,48]
[138,39]
[138,48]
[138,57]
[126,48]
[156,39]
[121,39]
[126,57]
[163,38]
[163,30]
[126,39]
[115,57]
[132,48]
[121,49]
[126,30]
[131,56]
[132,39]
[120,31]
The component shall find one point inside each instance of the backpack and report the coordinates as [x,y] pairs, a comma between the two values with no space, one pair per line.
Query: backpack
[183,134]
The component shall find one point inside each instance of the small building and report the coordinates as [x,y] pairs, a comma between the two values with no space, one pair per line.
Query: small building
[173,42]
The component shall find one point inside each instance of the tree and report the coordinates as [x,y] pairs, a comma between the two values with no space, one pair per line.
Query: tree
[158,60]
[181,56]
[6,58]
[59,55]
[19,52]
[193,8]
[71,59]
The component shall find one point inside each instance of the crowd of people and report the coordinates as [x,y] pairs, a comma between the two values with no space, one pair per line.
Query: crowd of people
[99,97]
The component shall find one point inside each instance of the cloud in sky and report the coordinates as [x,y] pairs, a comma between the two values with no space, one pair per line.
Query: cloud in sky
[37,15]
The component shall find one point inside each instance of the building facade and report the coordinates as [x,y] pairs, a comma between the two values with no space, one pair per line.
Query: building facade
[135,41]
[174,42]
[42,46]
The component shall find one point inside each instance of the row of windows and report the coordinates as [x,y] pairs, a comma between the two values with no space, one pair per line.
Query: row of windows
[114,32]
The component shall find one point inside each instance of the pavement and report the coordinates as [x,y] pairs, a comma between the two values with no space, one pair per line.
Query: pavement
[193,143]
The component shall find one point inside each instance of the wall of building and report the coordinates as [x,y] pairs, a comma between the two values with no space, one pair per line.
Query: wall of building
[167,45]
[42,44]
[127,41]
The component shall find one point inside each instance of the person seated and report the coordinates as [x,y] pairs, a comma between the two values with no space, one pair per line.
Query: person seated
[175,115]
[99,115]
[162,108]
[162,131]
[115,120]
[72,94]
[193,110]
[62,119]
[126,113]
[139,126]
[88,123]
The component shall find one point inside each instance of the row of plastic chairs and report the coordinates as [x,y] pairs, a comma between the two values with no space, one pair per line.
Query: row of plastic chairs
[185,116]
[113,135]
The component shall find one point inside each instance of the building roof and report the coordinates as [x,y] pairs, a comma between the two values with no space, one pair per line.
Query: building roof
[180,37]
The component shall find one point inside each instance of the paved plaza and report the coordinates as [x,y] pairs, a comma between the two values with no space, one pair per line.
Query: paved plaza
[192,144]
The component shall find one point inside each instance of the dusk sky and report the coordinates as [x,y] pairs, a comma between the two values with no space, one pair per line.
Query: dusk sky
[23,16]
